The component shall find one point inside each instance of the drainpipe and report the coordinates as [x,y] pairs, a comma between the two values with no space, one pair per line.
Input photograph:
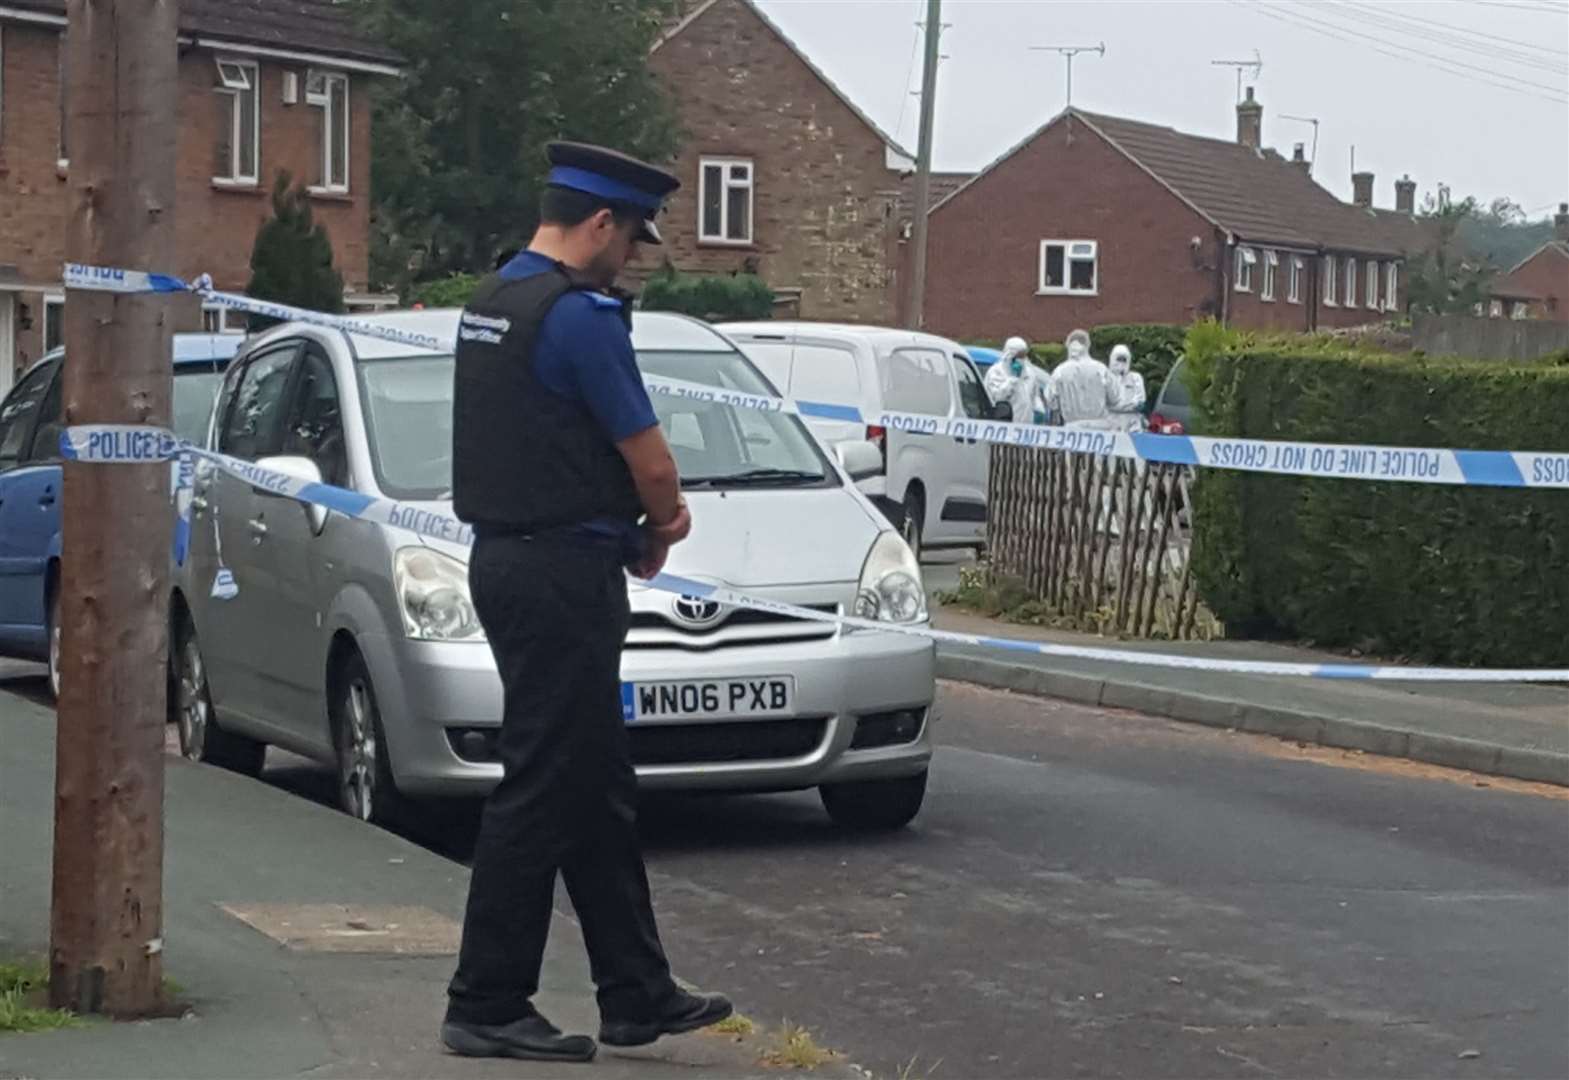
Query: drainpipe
[1228,257]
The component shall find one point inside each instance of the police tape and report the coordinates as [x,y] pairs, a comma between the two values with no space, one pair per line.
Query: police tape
[109,444]
[1341,461]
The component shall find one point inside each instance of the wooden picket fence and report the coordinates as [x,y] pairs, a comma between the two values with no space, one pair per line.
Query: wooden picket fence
[1104,543]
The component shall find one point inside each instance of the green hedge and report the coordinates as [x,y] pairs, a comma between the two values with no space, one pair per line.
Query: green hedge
[451,291]
[1438,573]
[716,298]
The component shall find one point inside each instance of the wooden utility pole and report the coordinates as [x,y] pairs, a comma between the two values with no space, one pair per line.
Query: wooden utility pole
[916,307]
[106,927]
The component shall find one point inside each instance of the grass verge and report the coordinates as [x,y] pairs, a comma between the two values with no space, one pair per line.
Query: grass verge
[23,991]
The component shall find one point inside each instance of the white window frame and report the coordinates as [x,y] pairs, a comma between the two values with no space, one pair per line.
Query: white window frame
[322,99]
[726,185]
[225,314]
[1495,309]
[1371,270]
[1271,264]
[1331,274]
[1242,275]
[1069,257]
[236,178]
[52,300]
[1392,286]
[1294,280]
[1350,299]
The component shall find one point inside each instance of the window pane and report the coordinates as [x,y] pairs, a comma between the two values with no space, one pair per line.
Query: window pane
[972,395]
[742,173]
[739,222]
[54,326]
[315,426]
[223,143]
[247,107]
[823,373]
[340,133]
[713,196]
[251,428]
[1083,271]
[46,436]
[1055,276]
[19,412]
[916,380]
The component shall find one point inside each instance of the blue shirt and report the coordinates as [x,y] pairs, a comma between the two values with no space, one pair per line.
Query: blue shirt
[584,354]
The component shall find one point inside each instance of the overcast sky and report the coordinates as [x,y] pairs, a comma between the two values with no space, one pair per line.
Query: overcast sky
[1442,117]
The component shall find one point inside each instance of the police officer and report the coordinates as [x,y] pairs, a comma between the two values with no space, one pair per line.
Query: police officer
[561,467]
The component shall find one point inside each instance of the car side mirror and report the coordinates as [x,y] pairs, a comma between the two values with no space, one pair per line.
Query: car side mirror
[860,459]
[301,468]
[1002,410]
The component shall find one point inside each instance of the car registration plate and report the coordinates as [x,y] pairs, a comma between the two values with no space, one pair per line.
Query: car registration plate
[769,695]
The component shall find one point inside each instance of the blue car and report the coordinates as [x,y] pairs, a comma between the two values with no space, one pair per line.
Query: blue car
[30,507]
[983,357]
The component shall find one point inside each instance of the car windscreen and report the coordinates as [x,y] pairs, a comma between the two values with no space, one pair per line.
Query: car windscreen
[721,446]
[195,387]
[1175,391]
[408,419]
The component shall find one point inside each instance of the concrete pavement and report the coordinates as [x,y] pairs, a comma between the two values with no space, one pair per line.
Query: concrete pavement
[1516,730]
[306,943]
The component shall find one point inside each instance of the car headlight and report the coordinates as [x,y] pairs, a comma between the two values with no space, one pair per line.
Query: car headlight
[433,594]
[890,588]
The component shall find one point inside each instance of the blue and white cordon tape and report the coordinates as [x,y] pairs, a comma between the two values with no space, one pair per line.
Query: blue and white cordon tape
[130,444]
[1343,461]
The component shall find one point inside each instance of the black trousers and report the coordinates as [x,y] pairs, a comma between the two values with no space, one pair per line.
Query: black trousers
[556,616]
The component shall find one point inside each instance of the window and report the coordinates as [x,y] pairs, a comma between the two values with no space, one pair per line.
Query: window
[315,427]
[19,414]
[1372,284]
[1392,287]
[46,438]
[725,198]
[1070,266]
[1351,282]
[236,150]
[328,93]
[54,322]
[217,319]
[1244,276]
[916,380]
[1271,261]
[1520,310]
[1294,282]
[252,425]
[1329,281]
[972,392]
[1496,309]
[825,373]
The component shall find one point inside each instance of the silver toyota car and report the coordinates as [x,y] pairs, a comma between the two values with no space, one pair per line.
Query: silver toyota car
[356,643]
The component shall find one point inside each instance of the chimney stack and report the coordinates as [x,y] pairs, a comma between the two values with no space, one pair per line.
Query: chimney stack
[1405,195]
[1362,188]
[1250,122]
[1299,157]
[1561,222]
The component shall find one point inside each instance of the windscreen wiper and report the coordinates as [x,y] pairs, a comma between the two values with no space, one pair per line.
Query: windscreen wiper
[761,477]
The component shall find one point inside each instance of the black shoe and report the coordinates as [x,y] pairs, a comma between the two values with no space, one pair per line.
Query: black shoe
[532,1038]
[679,1012]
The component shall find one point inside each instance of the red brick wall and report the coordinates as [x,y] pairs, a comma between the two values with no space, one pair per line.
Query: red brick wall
[1547,274]
[823,216]
[1251,311]
[215,228]
[984,245]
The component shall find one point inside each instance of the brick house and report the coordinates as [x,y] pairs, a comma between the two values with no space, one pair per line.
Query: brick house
[1096,219]
[263,88]
[781,174]
[1538,286]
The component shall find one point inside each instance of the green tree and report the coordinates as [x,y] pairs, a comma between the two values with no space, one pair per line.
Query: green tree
[1444,279]
[291,260]
[460,139]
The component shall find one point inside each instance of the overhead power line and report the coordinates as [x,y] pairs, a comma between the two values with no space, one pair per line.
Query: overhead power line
[1393,13]
[1446,64]
[1542,9]
[1400,24]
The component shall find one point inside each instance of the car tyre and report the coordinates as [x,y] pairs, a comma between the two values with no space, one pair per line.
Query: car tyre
[913,520]
[366,788]
[55,637]
[875,805]
[201,738]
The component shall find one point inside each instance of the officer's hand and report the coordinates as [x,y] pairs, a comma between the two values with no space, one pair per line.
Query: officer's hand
[675,530]
[653,560]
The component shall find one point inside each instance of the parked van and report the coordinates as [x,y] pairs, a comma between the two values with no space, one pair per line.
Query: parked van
[932,487]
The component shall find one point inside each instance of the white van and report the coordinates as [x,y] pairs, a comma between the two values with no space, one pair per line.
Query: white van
[931,486]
